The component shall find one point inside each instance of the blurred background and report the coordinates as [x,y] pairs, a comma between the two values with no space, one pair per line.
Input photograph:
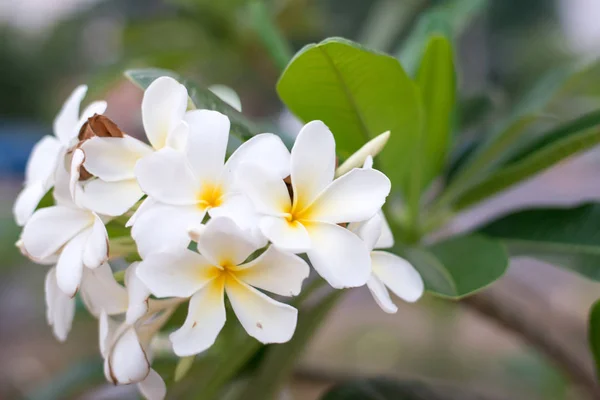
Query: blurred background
[504,46]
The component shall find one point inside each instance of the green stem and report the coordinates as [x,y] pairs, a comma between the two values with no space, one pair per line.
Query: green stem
[273,40]
[280,360]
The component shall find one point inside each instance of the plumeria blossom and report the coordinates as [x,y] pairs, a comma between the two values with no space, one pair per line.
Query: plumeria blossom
[125,346]
[75,236]
[221,268]
[308,222]
[127,354]
[389,271]
[45,156]
[185,186]
[112,159]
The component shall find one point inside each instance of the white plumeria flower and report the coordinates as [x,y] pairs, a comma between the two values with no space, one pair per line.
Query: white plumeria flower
[75,235]
[127,355]
[221,268]
[112,160]
[184,186]
[309,222]
[99,292]
[44,158]
[388,270]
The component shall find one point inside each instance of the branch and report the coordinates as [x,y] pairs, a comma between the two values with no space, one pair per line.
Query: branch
[558,335]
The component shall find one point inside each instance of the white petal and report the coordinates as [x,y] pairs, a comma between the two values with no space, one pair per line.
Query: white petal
[65,123]
[265,189]
[312,162]
[128,362]
[62,177]
[27,201]
[224,243]
[174,223]
[398,275]
[109,198]
[207,142]
[137,293]
[338,255]
[166,176]
[275,271]
[144,205]
[290,236]
[100,291]
[369,231]
[381,295]
[107,328]
[153,387]
[77,159]
[205,319]
[175,274]
[42,161]
[239,208]
[163,107]
[113,159]
[356,196]
[228,95]
[96,247]
[264,319]
[95,107]
[265,150]
[69,268]
[51,227]
[178,137]
[60,308]
[386,239]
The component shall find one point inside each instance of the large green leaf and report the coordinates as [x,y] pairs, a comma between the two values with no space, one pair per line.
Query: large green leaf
[359,94]
[571,142]
[436,80]
[565,237]
[201,98]
[387,389]
[459,266]
[594,334]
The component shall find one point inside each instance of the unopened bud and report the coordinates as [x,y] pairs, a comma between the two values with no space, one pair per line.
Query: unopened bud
[371,148]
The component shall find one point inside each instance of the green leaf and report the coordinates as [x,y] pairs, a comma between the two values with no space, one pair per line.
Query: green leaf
[594,334]
[436,79]
[449,18]
[565,237]
[572,140]
[459,266]
[358,93]
[388,389]
[201,98]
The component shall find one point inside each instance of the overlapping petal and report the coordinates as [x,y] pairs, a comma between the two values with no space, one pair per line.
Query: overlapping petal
[207,142]
[60,308]
[113,159]
[398,275]
[224,243]
[264,319]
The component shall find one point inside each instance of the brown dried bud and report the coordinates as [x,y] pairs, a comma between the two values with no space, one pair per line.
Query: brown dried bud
[101,126]
[97,125]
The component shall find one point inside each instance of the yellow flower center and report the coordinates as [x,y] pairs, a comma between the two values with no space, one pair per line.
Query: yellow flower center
[210,196]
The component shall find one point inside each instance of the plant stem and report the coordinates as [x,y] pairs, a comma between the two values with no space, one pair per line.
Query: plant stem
[273,40]
[560,337]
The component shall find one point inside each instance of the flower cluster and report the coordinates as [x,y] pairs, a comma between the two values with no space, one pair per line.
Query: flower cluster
[205,226]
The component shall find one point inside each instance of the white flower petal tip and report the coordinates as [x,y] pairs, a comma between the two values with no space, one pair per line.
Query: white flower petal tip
[196,232]
[153,387]
[163,106]
[398,275]
[369,150]
[127,361]
[60,308]
[137,294]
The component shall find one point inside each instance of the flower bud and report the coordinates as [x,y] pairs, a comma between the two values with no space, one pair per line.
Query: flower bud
[100,126]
